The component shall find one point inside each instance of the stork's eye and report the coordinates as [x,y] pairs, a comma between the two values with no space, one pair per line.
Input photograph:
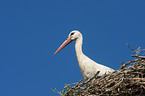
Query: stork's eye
[72,34]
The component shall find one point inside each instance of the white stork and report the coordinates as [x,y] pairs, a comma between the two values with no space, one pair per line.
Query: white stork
[88,67]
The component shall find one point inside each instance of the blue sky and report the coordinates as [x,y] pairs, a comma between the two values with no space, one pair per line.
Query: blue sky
[31,31]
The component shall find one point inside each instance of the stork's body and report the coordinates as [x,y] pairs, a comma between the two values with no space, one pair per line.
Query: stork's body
[88,67]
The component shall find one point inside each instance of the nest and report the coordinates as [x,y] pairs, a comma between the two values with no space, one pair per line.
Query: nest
[129,80]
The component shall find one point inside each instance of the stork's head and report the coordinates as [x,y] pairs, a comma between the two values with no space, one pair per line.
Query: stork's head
[73,35]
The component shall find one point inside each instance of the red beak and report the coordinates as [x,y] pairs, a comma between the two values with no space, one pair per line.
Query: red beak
[66,42]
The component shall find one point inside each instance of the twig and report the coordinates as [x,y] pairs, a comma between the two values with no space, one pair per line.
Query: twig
[143,57]
[132,49]
[129,63]
[78,83]
[74,83]
[143,79]
[143,86]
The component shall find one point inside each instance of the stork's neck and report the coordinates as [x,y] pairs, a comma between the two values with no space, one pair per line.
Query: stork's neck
[78,47]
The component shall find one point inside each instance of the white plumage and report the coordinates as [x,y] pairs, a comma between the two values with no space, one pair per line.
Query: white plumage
[88,67]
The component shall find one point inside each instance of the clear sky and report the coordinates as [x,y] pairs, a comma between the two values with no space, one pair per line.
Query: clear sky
[32,30]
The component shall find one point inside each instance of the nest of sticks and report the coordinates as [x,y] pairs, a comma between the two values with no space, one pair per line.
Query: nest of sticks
[128,80]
